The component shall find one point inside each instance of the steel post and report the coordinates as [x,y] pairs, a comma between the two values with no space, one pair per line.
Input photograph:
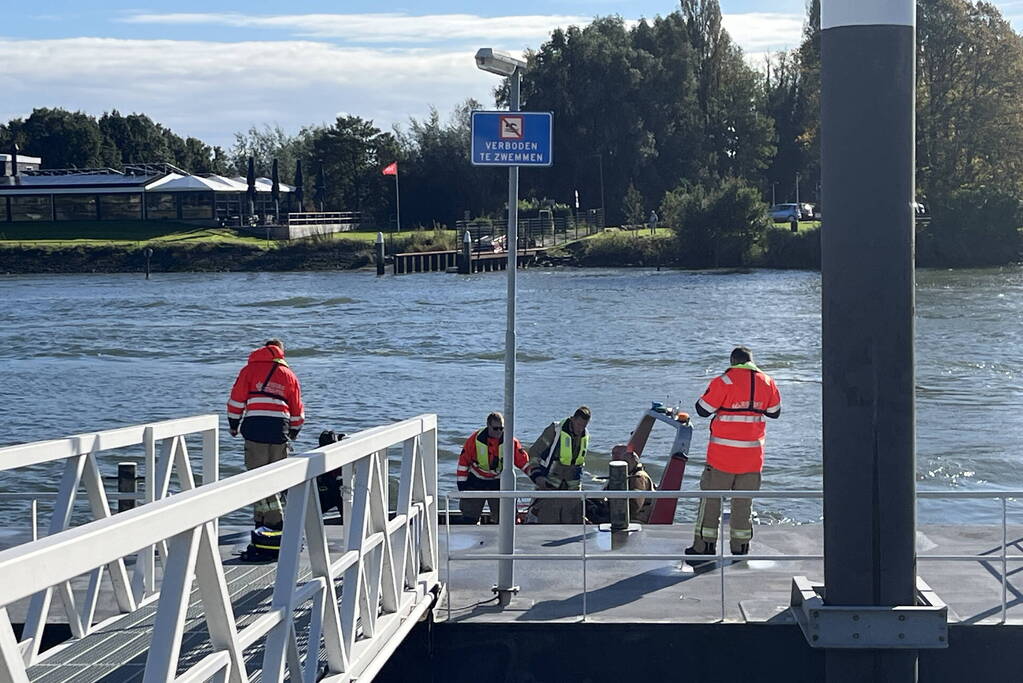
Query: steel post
[465,267]
[506,587]
[380,253]
[868,52]
[618,480]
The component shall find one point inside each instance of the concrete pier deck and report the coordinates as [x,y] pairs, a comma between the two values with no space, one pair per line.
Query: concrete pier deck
[662,591]
[619,593]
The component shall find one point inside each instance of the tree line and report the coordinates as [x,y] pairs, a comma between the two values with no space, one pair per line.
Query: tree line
[664,114]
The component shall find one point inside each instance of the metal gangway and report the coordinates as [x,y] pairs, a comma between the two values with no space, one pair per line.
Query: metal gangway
[331,609]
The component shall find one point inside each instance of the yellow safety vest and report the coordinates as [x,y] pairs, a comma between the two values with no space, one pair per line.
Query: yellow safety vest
[483,453]
[563,443]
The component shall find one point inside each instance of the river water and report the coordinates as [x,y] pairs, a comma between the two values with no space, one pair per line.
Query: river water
[91,352]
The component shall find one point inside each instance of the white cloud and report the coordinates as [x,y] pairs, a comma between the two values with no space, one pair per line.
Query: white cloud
[211,89]
[391,27]
[762,32]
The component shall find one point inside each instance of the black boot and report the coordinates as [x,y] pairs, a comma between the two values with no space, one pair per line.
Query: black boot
[736,553]
[709,549]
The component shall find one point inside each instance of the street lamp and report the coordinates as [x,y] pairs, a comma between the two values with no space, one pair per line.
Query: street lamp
[503,64]
[603,211]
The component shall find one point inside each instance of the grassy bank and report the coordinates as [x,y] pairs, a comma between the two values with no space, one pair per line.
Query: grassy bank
[120,246]
[116,246]
[115,233]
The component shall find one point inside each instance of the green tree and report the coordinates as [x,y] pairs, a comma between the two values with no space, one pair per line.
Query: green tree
[136,138]
[635,210]
[970,93]
[63,139]
[717,224]
[969,133]
[353,152]
[652,104]
[272,142]
[439,184]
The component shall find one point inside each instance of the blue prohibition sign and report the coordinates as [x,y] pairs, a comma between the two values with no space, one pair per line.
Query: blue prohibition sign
[512,138]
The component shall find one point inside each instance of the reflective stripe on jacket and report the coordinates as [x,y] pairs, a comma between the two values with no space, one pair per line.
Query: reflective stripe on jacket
[266,398]
[485,458]
[740,399]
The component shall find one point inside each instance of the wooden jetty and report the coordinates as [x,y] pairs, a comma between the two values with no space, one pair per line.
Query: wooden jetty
[444,261]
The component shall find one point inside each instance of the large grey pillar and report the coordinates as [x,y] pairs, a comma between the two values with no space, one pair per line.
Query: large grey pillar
[867,117]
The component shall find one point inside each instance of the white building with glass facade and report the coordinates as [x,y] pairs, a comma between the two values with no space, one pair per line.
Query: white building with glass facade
[140,192]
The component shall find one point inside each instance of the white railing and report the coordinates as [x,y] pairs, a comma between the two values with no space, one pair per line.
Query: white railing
[324,218]
[388,567]
[719,557]
[165,453]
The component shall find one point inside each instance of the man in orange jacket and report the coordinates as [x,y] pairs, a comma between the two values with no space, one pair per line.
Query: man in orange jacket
[480,465]
[266,407]
[740,401]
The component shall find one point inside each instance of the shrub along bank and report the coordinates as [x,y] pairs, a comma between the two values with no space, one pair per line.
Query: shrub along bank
[780,248]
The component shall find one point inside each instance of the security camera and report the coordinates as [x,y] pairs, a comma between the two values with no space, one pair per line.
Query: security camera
[497,62]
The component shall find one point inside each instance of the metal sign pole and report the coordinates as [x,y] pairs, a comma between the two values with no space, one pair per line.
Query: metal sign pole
[868,56]
[506,587]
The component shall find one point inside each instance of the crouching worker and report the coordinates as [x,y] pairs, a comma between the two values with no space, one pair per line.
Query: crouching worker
[480,465]
[556,462]
[639,480]
[597,509]
[330,484]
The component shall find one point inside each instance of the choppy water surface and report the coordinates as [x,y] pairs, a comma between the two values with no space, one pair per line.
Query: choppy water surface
[90,352]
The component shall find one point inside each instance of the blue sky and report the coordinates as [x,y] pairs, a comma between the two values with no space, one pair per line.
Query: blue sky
[211,71]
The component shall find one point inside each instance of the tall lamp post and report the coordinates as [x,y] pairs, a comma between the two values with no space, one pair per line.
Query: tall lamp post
[603,210]
[503,64]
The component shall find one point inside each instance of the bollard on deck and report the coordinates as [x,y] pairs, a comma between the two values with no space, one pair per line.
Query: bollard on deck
[618,480]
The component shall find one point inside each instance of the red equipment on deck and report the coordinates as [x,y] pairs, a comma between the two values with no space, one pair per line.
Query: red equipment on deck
[671,480]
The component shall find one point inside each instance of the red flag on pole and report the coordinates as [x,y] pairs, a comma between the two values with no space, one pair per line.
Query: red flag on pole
[391,169]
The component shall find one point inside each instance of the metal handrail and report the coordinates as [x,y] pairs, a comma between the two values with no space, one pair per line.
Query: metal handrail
[405,547]
[583,495]
[165,451]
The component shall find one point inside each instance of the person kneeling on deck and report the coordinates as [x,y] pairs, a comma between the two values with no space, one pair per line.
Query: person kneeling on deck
[556,462]
[330,484]
[480,465]
[639,480]
[739,400]
[266,408]
[598,510]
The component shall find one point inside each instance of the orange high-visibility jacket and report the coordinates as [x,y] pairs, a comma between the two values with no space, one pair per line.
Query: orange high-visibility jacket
[740,400]
[484,457]
[266,398]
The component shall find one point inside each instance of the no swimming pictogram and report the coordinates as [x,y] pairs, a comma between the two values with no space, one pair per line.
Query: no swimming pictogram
[512,128]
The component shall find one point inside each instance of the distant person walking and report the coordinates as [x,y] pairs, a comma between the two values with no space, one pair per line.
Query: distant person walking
[652,222]
[739,400]
[266,408]
[480,465]
[556,462]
